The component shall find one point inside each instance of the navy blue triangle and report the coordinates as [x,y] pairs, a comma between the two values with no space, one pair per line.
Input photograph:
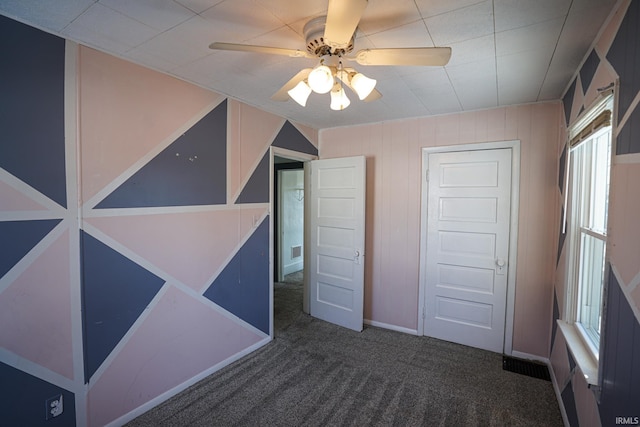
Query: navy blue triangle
[23,235]
[115,291]
[572,361]
[588,70]
[190,171]
[554,326]
[569,402]
[256,190]
[623,55]
[32,108]
[561,171]
[561,236]
[567,101]
[620,350]
[290,138]
[25,405]
[242,288]
[628,140]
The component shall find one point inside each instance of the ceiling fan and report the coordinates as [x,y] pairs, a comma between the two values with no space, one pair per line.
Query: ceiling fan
[330,39]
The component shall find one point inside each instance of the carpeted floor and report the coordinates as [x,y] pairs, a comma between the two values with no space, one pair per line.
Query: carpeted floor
[316,374]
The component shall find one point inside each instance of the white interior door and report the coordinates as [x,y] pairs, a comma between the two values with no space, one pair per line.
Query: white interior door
[469,198]
[336,241]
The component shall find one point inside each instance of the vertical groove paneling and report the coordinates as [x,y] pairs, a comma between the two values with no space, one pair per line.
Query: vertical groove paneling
[393,207]
[621,358]
[620,362]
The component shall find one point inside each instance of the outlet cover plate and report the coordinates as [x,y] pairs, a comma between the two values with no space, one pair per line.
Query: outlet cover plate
[54,406]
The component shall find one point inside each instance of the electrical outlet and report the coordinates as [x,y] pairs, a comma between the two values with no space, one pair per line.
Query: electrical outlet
[54,406]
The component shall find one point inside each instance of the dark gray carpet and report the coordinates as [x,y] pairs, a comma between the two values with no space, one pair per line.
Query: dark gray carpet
[316,374]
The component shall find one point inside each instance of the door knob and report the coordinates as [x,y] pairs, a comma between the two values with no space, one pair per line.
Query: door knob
[501,263]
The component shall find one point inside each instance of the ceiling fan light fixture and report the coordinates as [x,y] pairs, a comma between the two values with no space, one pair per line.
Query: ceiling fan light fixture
[339,99]
[362,85]
[300,93]
[321,79]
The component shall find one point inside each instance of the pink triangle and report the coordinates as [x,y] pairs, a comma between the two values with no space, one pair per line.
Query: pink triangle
[35,311]
[560,359]
[625,238]
[602,78]
[252,131]
[14,200]
[609,34]
[182,337]
[189,246]
[578,101]
[126,110]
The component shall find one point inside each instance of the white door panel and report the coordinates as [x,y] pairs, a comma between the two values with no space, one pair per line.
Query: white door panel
[337,221]
[469,197]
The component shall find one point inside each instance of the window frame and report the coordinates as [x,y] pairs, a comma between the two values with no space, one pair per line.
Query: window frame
[586,354]
[581,205]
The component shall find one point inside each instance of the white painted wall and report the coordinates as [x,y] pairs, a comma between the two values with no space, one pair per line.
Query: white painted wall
[292,219]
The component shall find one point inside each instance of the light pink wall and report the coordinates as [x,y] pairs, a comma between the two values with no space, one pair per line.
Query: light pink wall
[624,235]
[195,256]
[252,132]
[44,338]
[127,115]
[393,151]
[152,107]
[623,245]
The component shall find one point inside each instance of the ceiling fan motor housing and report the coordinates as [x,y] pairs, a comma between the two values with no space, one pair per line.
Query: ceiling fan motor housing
[314,35]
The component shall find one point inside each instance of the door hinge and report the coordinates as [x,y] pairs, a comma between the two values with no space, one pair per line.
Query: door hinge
[427,175]
[424,313]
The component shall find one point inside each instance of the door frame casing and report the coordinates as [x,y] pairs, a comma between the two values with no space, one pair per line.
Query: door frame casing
[300,157]
[514,145]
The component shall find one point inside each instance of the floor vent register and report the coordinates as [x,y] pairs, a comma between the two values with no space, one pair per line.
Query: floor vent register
[526,367]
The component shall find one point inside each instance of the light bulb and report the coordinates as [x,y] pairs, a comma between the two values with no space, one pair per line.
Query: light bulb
[339,99]
[300,93]
[320,79]
[363,85]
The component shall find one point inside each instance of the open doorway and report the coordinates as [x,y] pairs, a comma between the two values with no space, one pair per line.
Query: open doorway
[288,240]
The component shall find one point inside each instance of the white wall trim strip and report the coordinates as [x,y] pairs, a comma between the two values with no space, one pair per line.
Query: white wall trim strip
[390,327]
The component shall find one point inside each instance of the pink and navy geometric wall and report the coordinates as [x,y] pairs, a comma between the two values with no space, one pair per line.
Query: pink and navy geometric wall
[615,57]
[134,221]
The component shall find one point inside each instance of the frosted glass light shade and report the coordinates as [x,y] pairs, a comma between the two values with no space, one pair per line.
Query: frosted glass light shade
[363,85]
[339,100]
[320,79]
[300,93]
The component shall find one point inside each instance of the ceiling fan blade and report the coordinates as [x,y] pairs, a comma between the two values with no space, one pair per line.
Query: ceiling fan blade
[425,56]
[282,95]
[343,17]
[295,53]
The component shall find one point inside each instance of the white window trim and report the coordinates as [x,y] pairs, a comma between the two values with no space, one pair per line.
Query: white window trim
[582,350]
[582,355]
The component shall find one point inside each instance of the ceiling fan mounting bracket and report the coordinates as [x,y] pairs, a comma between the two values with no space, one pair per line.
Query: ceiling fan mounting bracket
[316,45]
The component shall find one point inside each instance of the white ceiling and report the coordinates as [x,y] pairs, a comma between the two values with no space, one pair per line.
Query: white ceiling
[504,52]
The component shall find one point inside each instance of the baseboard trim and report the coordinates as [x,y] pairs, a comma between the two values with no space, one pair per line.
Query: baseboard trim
[528,356]
[554,381]
[558,393]
[390,327]
[181,387]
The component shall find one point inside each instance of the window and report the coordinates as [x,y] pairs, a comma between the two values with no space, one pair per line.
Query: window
[589,160]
